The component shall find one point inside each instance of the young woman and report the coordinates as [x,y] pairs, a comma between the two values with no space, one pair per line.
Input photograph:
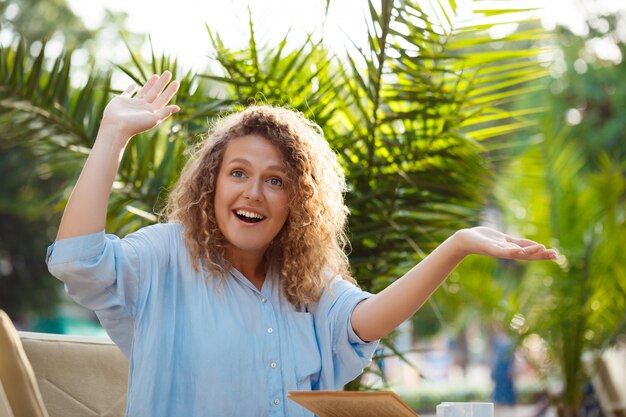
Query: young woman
[246,292]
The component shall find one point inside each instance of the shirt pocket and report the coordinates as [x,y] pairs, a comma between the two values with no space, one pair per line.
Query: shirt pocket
[308,361]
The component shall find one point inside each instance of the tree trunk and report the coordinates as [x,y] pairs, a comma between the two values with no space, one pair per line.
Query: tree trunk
[568,410]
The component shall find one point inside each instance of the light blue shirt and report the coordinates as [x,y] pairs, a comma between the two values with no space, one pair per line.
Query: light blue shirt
[205,346]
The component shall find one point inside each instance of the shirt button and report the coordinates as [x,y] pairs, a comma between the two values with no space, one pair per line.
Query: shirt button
[276,401]
[264,300]
[270,330]
[273,364]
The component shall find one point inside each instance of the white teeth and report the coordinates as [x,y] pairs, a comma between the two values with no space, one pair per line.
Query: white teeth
[249,214]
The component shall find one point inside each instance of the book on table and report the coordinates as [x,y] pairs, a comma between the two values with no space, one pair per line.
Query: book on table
[352,403]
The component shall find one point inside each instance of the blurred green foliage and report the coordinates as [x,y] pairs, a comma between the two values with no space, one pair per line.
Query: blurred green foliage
[36,20]
[407,114]
[423,118]
[567,187]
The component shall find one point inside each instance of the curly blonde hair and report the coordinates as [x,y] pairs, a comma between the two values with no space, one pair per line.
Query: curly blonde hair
[312,240]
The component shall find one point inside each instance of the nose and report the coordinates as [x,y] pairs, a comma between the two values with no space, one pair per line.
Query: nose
[254,190]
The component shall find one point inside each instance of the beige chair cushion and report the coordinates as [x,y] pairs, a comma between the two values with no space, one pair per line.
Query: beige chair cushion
[78,376]
[16,374]
[5,408]
[608,377]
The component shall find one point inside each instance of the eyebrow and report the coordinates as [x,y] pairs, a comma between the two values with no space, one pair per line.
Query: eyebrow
[244,161]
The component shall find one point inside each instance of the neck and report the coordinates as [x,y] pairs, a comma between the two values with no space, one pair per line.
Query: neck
[251,265]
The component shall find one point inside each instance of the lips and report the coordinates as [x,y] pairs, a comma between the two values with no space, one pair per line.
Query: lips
[248,216]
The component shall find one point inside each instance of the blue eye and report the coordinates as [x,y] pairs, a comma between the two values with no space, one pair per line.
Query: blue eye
[277,182]
[237,173]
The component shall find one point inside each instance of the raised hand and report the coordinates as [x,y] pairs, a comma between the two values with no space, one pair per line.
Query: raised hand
[380,314]
[131,115]
[490,242]
[124,117]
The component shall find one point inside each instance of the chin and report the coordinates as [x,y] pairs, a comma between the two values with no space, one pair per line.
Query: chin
[249,247]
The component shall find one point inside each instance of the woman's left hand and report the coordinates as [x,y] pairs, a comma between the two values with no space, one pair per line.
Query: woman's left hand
[490,242]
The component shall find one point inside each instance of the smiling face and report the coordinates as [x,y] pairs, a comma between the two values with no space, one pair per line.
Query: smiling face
[251,195]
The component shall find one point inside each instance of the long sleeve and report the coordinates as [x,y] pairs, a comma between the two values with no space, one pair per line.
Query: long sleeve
[109,275]
[344,354]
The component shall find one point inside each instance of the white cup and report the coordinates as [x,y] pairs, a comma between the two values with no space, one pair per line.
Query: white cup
[469,409]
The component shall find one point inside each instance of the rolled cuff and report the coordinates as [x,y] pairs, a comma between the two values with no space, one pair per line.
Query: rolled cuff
[75,248]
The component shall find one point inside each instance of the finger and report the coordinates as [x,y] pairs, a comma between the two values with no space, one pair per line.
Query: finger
[130,90]
[167,95]
[536,248]
[520,241]
[507,251]
[537,254]
[166,112]
[548,254]
[157,87]
[147,86]
[510,250]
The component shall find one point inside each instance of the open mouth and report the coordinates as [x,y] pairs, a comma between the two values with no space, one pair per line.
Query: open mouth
[248,216]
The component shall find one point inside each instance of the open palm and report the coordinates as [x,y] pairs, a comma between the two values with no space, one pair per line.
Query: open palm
[146,109]
[490,242]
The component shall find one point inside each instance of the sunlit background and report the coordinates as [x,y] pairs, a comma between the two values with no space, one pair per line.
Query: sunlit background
[179,28]
[451,358]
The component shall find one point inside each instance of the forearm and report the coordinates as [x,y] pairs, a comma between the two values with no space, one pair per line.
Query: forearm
[379,315]
[86,208]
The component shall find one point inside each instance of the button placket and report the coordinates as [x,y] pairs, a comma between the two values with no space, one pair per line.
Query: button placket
[271,353]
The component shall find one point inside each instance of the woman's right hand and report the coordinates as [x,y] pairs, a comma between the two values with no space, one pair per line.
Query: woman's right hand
[130,115]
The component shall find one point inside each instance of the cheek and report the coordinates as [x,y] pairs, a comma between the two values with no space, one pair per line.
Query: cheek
[284,215]
[220,197]
[220,204]
[283,204]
